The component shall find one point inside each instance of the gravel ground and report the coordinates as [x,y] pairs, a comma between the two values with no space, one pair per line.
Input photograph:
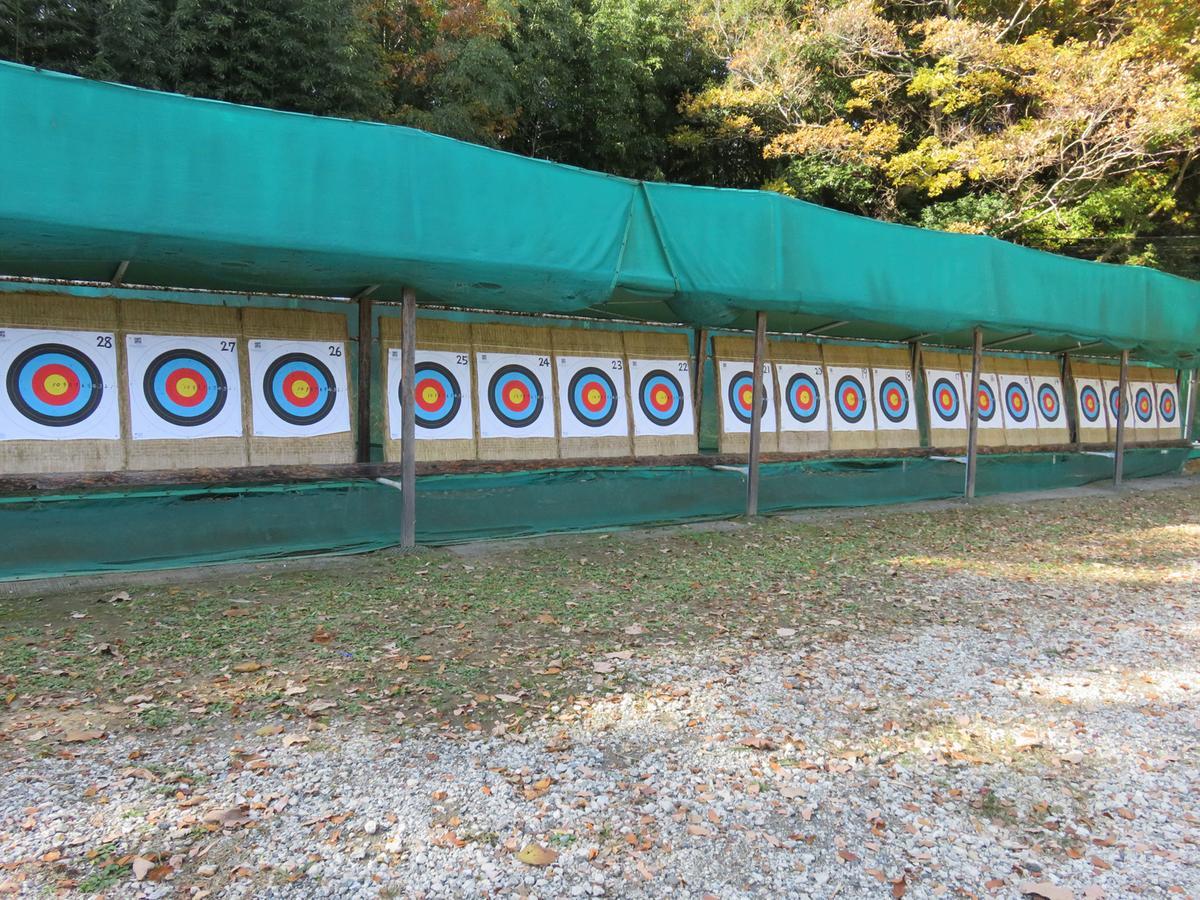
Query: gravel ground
[1050,747]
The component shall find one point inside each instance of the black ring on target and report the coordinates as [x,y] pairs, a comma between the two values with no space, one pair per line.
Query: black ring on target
[1143,405]
[797,384]
[578,402]
[80,374]
[1114,404]
[313,373]
[850,399]
[1089,403]
[945,400]
[661,397]
[891,389]
[440,410]
[524,415]
[158,388]
[1016,402]
[1166,405]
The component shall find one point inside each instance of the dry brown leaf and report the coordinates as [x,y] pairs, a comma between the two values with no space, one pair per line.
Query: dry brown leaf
[81,737]
[1046,890]
[848,856]
[758,742]
[291,739]
[269,730]
[634,630]
[537,855]
[141,867]
[231,817]
[247,667]
[603,668]
[316,707]
[322,635]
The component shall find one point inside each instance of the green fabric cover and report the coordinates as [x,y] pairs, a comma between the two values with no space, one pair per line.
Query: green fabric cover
[163,528]
[196,193]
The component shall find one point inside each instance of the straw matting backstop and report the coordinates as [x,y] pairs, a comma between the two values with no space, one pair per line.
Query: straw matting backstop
[664,346]
[605,346]
[740,350]
[809,354]
[531,340]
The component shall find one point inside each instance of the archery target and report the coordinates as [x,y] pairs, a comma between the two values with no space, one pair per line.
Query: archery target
[661,397]
[183,387]
[804,406]
[1091,405]
[514,395]
[1167,405]
[989,401]
[894,408]
[850,403]
[946,407]
[591,396]
[58,385]
[442,394]
[298,388]
[1047,400]
[1112,400]
[1016,399]
[1145,409]
[737,405]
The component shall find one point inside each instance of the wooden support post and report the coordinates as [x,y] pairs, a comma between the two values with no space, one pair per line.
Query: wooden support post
[973,425]
[760,353]
[408,421]
[1189,419]
[698,375]
[1122,412]
[365,346]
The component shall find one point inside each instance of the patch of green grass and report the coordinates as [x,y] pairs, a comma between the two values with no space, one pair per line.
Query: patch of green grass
[104,877]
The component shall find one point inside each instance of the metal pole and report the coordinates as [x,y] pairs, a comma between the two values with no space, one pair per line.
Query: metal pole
[1122,412]
[760,352]
[365,343]
[973,426]
[1189,420]
[408,421]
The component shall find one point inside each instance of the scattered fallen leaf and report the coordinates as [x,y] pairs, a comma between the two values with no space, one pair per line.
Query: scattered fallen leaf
[247,667]
[81,737]
[537,855]
[1045,889]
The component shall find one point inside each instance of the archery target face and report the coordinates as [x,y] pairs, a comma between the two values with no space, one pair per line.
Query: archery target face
[1145,404]
[1112,394]
[661,397]
[894,409]
[1048,401]
[58,385]
[1017,401]
[442,392]
[737,393]
[1168,405]
[515,399]
[804,405]
[298,388]
[990,415]
[850,405]
[591,396]
[183,387]
[946,406]
[1089,395]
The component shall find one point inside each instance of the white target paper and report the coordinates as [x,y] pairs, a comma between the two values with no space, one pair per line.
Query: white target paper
[883,390]
[444,410]
[1054,383]
[735,386]
[591,396]
[515,395]
[1138,422]
[298,388]
[183,387]
[1175,425]
[58,385]
[948,409]
[1010,420]
[1111,408]
[798,412]
[1095,384]
[845,384]
[661,397]
[992,380]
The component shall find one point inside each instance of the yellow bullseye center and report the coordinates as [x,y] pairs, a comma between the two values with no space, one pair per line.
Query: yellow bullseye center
[516,396]
[56,385]
[187,387]
[593,397]
[805,397]
[301,389]
[660,397]
[429,395]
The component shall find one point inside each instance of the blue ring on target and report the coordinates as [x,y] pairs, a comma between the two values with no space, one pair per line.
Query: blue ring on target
[445,405]
[280,384]
[582,405]
[1049,403]
[1166,405]
[75,376]
[1143,405]
[1090,403]
[1114,404]
[796,386]
[661,397]
[739,384]
[511,412]
[889,388]
[946,402]
[987,410]
[850,399]
[1016,402]
[161,387]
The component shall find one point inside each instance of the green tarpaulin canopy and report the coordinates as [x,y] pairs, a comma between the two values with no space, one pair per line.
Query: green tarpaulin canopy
[196,193]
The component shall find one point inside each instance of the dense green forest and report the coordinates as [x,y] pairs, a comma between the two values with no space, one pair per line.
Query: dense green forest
[1070,125]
